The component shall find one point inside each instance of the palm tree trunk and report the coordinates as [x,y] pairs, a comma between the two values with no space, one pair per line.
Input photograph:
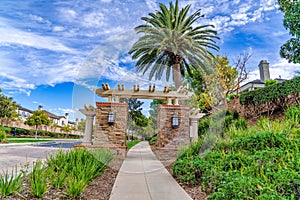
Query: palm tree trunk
[176,75]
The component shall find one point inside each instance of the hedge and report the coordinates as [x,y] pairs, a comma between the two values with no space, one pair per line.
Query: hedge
[271,92]
[25,132]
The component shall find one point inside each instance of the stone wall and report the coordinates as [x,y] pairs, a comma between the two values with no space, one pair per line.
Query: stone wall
[106,135]
[167,136]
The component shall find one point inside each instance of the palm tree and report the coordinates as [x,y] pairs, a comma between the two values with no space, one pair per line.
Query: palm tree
[171,39]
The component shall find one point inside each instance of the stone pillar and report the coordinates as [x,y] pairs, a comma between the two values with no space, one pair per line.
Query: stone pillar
[89,111]
[195,115]
[111,135]
[173,137]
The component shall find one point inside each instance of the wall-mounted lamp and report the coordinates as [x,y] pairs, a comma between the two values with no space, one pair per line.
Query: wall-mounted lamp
[111,118]
[175,121]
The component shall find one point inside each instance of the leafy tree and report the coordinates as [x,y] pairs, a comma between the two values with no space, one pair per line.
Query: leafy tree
[226,73]
[153,111]
[81,125]
[290,50]
[8,107]
[172,40]
[38,118]
[135,111]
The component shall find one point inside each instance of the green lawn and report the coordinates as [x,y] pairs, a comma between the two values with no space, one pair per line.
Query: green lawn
[24,140]
[132,143]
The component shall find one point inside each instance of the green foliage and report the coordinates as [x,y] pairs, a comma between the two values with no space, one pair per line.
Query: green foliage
[8,107]
[28,133]
[130,144]
[291,9]
[240,124]
[74,169]
[152,140]
[66,129]
[167,35]
[272,92]
[293,114]
[260,162]
[270,82]
[2,136]
[11,184]
[235,114]
[38,117]
[38,181]
[75,187]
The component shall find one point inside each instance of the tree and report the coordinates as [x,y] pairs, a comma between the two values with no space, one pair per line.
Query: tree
[240,66]
[172,40]
[226,73]
[8,107]
[81,125]
[37,118]
[135,111]
[291,49]
[153,111]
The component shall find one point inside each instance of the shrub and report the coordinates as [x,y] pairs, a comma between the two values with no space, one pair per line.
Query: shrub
[11,183]
[293,113]
[260,165]
[240,123]
[2,136]
[235,114]
[275,91]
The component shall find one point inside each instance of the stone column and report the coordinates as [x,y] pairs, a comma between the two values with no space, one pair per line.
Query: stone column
[169,137]
[89,111]
[195,115]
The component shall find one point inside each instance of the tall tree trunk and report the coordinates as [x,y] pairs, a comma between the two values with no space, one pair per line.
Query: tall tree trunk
[36,127]
[176,75]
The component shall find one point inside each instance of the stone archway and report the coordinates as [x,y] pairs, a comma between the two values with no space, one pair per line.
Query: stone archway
[113,135]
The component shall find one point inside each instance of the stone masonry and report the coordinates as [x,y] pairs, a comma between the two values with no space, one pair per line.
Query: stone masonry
[111,136]
[167,136]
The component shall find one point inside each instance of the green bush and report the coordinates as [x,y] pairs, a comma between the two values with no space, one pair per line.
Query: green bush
[240,123]
[293,113]
[260,162]
[5,129]
[256,165]
[271,92]
[2,136]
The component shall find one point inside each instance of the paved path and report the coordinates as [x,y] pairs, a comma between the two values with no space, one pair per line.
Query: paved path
[143,177]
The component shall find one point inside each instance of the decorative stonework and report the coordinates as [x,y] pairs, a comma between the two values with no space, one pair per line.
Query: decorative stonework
[111,135]
[167,136]
[89,111]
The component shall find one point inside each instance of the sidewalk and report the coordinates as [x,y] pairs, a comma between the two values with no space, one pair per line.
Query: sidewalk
[143,176]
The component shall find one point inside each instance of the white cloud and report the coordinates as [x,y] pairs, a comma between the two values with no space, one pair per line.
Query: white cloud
[10,35]
[94,19]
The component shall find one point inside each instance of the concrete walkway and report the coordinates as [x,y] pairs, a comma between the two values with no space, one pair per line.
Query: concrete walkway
[143,177]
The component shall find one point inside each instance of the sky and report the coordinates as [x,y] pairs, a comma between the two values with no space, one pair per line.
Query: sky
[54,52]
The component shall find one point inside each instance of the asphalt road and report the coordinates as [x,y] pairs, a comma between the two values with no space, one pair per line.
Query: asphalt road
[20,155]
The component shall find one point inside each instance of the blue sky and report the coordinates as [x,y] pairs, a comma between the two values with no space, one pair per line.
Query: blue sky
[54,52]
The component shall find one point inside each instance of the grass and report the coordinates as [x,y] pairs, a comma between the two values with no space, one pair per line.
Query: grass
[11,184]
[132,143]
[25,140]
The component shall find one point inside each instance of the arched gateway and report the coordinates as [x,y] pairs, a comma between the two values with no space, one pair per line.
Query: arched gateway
[177,124]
